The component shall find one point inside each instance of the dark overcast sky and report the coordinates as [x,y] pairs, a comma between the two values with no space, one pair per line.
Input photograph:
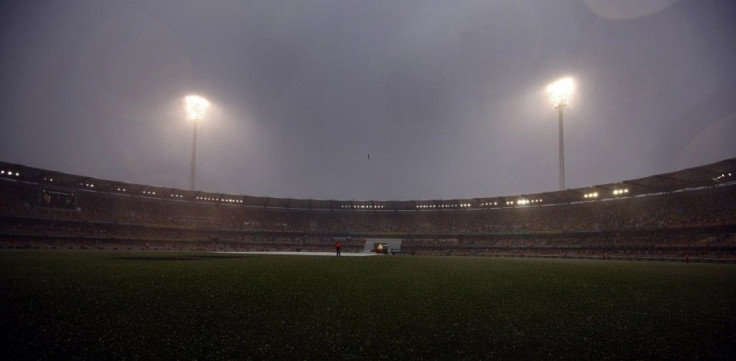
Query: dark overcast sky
[447,97]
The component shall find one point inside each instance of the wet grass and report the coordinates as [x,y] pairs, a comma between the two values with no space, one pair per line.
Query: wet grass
[116,305]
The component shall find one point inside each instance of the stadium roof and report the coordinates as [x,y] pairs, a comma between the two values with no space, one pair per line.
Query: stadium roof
[704,176]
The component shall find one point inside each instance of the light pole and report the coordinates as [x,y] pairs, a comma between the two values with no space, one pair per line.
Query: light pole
[196,107]
[559,94]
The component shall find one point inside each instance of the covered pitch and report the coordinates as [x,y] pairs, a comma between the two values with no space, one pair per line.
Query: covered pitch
[346,254]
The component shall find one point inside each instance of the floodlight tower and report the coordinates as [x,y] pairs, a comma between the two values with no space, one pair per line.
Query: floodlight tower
[196,107]
[559,94]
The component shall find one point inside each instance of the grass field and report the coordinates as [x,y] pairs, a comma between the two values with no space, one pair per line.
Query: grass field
[115,305]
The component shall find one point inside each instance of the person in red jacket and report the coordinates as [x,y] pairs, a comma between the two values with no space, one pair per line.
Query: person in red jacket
[338,245]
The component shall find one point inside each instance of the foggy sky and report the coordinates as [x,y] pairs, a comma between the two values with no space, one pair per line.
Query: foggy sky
[447,97]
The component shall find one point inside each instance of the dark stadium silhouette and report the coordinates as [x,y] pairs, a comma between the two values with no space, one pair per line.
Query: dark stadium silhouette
[688,215]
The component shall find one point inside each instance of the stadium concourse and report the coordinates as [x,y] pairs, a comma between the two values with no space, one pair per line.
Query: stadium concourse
[684,215]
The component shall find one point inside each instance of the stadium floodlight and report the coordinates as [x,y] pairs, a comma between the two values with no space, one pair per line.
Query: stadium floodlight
[559,94]
[196,108]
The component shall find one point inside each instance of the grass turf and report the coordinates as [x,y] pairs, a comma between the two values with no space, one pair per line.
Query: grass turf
[115,305]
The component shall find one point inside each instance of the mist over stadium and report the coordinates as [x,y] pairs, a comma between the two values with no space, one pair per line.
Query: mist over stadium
[520,180]
[447,99]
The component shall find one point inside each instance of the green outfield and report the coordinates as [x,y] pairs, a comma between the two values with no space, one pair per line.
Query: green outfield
[116,305]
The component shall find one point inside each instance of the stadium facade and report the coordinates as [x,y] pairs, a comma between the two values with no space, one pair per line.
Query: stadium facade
[680,215]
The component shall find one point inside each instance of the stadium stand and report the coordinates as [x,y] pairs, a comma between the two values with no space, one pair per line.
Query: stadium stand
[684,215]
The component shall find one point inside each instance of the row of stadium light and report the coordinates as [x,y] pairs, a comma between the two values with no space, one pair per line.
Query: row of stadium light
[226,200]
[524,201]
[88,185]
[176,196]
[461,205]
[723,175]
[121,189]
[519,202]
[9,173]
[362,206]
[47,179]
[618,192]
[150,193]
[591,195]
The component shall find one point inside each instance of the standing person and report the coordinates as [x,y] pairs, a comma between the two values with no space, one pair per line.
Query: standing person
[338,245]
